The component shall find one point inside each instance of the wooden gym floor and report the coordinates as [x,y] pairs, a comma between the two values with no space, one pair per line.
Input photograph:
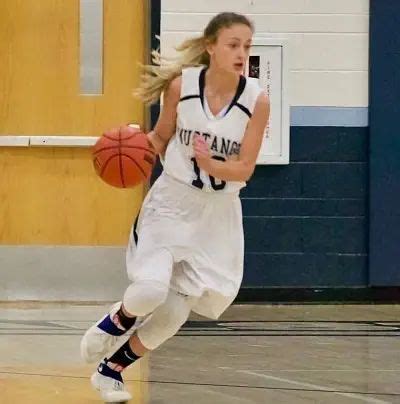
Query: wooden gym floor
[255,354]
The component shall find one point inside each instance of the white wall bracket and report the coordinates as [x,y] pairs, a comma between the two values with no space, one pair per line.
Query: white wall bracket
[51,140]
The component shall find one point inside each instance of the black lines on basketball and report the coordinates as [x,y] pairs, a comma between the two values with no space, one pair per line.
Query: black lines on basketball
[148,159]
[97,164]
[136,163]
[124,146]
[119,135]
[106,164]
[121,171]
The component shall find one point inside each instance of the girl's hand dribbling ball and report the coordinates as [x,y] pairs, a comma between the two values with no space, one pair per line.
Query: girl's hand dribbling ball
[123,157]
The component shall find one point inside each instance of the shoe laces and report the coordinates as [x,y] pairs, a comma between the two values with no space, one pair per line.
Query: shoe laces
[118,385]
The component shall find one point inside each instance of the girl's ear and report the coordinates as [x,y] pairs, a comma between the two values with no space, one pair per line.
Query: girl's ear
[209,47]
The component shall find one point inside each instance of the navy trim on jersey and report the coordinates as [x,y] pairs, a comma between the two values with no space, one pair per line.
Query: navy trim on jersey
[239,91]
[189,97]
[244,109]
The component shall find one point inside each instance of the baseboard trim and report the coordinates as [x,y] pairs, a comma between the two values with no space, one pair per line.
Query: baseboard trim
[374,295]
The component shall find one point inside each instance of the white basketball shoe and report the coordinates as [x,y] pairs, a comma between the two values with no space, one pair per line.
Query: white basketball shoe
[110,385]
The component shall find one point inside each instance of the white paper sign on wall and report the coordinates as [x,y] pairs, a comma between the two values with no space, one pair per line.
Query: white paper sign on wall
[268,63]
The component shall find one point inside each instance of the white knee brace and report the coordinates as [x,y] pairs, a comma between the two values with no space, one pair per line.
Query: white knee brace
[143,297]
[166,320]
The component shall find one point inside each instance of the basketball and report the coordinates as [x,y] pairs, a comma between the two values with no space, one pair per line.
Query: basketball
[123,157]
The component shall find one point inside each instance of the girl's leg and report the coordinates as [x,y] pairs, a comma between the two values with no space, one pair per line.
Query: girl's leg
[148,291]
[165,322]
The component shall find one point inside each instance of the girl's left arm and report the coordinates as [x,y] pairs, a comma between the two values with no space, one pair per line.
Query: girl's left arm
[241,168]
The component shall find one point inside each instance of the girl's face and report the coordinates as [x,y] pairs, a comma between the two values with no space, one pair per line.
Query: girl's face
[231,50]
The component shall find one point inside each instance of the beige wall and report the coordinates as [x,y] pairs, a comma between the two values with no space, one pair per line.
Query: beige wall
[328,49]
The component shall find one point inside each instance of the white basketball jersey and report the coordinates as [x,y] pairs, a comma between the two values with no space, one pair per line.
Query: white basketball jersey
[223,133]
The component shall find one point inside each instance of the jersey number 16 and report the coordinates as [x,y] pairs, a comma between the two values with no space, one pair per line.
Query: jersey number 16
[200,184]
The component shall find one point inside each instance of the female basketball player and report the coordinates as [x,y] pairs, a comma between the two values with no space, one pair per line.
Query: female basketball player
[186,248]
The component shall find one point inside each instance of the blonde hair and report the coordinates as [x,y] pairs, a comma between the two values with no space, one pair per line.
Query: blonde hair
[192,52]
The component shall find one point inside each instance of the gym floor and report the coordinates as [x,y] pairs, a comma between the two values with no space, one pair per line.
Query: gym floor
[291,354]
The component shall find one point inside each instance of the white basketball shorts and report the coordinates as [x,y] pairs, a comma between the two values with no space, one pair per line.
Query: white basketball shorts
[202,231]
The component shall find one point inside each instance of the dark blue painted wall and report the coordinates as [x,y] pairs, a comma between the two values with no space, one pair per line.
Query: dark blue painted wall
[384,143]
[305,224]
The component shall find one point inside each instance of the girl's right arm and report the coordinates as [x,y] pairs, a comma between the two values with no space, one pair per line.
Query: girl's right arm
[166,123]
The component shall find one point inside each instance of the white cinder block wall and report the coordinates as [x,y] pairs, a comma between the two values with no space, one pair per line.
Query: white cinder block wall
[328,42]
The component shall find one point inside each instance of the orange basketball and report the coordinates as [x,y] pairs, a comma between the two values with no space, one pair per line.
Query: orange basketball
[123,157]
